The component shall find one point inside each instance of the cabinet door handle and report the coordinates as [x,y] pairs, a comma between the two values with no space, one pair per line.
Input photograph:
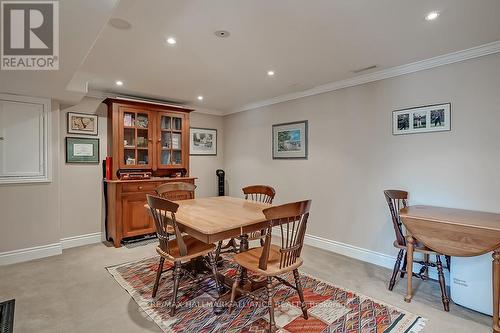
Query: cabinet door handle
[1,138]
[140,187]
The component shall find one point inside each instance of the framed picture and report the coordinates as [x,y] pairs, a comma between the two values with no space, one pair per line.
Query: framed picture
[81,123]
[290,140]
[431,118]
[82,150]
[202,141]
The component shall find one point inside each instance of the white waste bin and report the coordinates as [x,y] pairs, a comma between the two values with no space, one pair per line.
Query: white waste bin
[471,283]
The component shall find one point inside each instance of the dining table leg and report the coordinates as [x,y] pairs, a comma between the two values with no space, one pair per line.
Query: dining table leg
[496,290]
[243,248]
[409,267]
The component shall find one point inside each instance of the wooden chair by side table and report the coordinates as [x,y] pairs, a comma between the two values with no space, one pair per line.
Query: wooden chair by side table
[271,261]
[256,193]
[179,250]
[397,200]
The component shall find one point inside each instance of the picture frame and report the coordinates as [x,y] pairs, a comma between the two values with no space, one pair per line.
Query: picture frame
[82,150]
[422,119]
[290,140]
[202,141]
[82,123]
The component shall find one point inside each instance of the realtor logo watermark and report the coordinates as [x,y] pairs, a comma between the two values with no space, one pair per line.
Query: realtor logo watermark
[30,35]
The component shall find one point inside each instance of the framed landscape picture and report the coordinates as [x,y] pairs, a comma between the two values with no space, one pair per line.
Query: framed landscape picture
[202,141]
[431,118]
[290,140]
[82,150]
[82,123]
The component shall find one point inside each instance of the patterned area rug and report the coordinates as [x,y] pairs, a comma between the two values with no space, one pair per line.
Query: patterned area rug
[331,309]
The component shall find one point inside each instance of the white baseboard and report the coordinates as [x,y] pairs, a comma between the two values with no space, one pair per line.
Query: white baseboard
[376,258]
[351,251]
[81,240]
[37,252]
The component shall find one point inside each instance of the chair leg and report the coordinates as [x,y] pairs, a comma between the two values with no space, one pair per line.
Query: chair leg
[395,271]
[270,304]
[301,293]
[236,282]
[426,260]
[217,251]
[158,275]
[448,262]
[403,269]
[213,265]
[176,276]
[262,233]
[442,284]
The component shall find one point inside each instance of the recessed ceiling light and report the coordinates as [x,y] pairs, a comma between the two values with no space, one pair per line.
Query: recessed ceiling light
[200,98]
[119,83]
[171,40]
[270,73]
[432,16]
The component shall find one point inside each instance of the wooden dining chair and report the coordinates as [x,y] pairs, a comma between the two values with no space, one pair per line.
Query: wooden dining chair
[396,200]
[258,193]
[270,260]
[179,250]
[176,191]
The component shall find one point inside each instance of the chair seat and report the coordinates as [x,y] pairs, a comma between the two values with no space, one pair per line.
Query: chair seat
[417,247]
[195,248]
[250,260]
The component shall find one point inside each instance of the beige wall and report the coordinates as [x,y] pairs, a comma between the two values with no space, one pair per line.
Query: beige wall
[82,200]
[353,156]
[29,213]
[204,167]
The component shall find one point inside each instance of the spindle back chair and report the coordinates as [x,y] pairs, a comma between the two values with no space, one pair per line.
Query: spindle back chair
[182,249]
[396,200]
[271,260]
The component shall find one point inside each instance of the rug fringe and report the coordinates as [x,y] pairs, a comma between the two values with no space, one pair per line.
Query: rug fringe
[418,326]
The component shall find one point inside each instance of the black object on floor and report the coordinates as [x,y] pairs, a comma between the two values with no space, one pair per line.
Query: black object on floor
[132,242]
[220,175]
[7,316]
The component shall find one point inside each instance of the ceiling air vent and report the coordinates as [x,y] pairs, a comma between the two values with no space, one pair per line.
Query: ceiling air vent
[357,71]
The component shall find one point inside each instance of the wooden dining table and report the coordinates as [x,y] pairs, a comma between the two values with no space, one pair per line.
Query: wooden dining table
[454,232]
[218,218]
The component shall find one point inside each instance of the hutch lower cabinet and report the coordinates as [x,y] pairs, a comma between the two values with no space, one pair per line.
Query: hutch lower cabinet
[148,145]
[126,215]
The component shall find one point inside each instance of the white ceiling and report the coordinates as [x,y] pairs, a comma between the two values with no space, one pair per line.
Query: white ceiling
[307,43]
[80,23]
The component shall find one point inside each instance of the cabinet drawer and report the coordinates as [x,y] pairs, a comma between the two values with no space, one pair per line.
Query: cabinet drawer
[139,187]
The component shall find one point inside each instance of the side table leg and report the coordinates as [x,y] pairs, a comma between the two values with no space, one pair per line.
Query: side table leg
[409,267]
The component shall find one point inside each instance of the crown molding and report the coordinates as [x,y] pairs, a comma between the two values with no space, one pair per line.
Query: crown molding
[103,95]
[446,59]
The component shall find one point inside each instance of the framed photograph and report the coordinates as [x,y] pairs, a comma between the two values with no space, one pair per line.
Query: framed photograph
[82,150]
[202,141]
[82,123]
[430,118]
[290,140]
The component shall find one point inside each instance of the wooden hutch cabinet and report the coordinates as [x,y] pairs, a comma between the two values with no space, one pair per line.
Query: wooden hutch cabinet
[143,139]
